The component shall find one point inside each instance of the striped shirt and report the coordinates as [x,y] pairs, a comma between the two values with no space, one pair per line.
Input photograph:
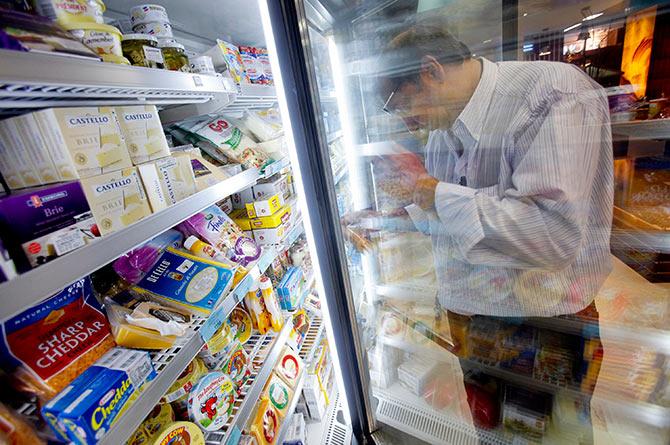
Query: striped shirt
[524,208]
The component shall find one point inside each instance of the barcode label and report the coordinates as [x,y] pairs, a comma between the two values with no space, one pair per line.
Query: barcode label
[68,241]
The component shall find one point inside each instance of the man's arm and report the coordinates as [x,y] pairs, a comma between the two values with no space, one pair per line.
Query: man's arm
[539,221]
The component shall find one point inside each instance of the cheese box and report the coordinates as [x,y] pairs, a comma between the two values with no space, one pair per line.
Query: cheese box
[10,173]
[117,199]
[279,394]
[183,280]
[269,236]
[141,128]
[242,198]
[91,135]
[206,173]
[177,178]
[226,205]
[99,405]
[43,223]
[274,185]
[265,207]
[54,144]
[30,141]
[282,216]
[239,216]
[21,166]
[153,186]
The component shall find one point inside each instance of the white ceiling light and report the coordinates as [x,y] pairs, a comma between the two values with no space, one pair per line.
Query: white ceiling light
[570,28]
[592,16]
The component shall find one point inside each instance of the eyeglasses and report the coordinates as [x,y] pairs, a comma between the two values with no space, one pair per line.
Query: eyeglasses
[396,104]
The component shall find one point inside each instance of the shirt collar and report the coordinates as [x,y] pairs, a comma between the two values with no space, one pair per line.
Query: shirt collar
[474,113]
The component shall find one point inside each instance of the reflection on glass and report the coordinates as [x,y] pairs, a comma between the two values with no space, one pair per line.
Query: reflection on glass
[516,213]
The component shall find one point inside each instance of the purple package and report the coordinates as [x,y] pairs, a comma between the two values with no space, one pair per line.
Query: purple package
[133,265]
[213,226]
[43,223]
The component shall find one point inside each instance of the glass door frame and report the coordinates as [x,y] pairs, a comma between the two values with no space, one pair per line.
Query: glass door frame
[291,36]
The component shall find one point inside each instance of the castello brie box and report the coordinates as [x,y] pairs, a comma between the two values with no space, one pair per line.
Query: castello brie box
[43,223]
[141,128]
[91,135]
[117,199]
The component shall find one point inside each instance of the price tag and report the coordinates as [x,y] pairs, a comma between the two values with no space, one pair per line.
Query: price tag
[153,54]
[234,436]
[67,241]
[214,322]
[197,80]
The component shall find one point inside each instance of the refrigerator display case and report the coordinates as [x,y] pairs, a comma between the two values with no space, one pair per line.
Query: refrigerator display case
[444,337]
[195,316]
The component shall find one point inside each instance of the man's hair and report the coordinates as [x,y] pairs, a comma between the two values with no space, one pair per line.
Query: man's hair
[401,60]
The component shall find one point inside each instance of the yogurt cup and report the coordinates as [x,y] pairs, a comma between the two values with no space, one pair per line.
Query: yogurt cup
[160,30]
[105,40]
[202,65]
[148,13]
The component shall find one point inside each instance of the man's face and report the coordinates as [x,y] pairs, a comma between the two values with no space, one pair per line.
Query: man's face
[424,102]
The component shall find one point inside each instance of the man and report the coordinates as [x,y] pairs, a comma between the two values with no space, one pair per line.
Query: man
[516,186]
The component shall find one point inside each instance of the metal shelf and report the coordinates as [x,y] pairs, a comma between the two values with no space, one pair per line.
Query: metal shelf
[244,97]
[283,428]
[648,129]
[36,80]
[401,409]
[37,284]
[263,361]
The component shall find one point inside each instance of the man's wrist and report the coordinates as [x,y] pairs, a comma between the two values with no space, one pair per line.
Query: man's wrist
[424,193]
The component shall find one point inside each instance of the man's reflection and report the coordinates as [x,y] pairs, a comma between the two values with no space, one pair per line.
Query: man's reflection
[515,188]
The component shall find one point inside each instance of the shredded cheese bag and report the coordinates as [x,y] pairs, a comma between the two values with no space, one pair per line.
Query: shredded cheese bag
[50,344]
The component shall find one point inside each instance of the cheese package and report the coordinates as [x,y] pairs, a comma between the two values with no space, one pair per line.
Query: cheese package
[90,134]
[187,281]
[117,199]
[49,344]
[241,199]
[177,178]
[289,366]
[206,173]
[266,423]
[237,367]
[29,139]
[216,228]
[279,394]
[153,186]
[141,128]
[20,171]
[269,236]
[40,224]
[265,207]
[281,217]
[274,185]
[86,408]
[210,403]
[180,433]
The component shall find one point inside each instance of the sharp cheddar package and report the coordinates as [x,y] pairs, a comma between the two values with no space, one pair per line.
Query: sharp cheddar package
[51,343]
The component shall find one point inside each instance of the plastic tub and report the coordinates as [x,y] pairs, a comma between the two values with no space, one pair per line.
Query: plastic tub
[148,13]
[156,29]
[202,65]
[72,12]
[105,40]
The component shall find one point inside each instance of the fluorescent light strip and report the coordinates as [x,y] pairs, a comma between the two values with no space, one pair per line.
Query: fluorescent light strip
[297,176]
[570,28]
[592,16]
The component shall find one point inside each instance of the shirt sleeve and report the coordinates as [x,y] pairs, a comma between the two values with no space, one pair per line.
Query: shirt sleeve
[538,220]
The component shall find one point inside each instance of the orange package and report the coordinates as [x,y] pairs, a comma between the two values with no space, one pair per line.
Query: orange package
[50,344]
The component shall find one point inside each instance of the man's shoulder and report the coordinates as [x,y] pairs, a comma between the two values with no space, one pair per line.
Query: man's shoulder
[541,77]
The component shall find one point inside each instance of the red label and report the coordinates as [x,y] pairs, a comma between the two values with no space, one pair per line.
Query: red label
[218,126]
[34,248]
[51,344]
[37,202]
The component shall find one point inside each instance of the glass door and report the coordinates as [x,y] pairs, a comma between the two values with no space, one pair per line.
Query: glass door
[499,201]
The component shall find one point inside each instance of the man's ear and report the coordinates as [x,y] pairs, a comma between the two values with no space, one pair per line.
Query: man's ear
[432,71]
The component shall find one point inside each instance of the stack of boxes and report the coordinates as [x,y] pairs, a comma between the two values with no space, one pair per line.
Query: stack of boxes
[89,164]
[262,210]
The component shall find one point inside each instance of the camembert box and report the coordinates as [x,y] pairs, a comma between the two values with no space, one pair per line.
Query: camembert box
[90,134]
[29,140]
[141,128]
[20,171]
[117,199]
